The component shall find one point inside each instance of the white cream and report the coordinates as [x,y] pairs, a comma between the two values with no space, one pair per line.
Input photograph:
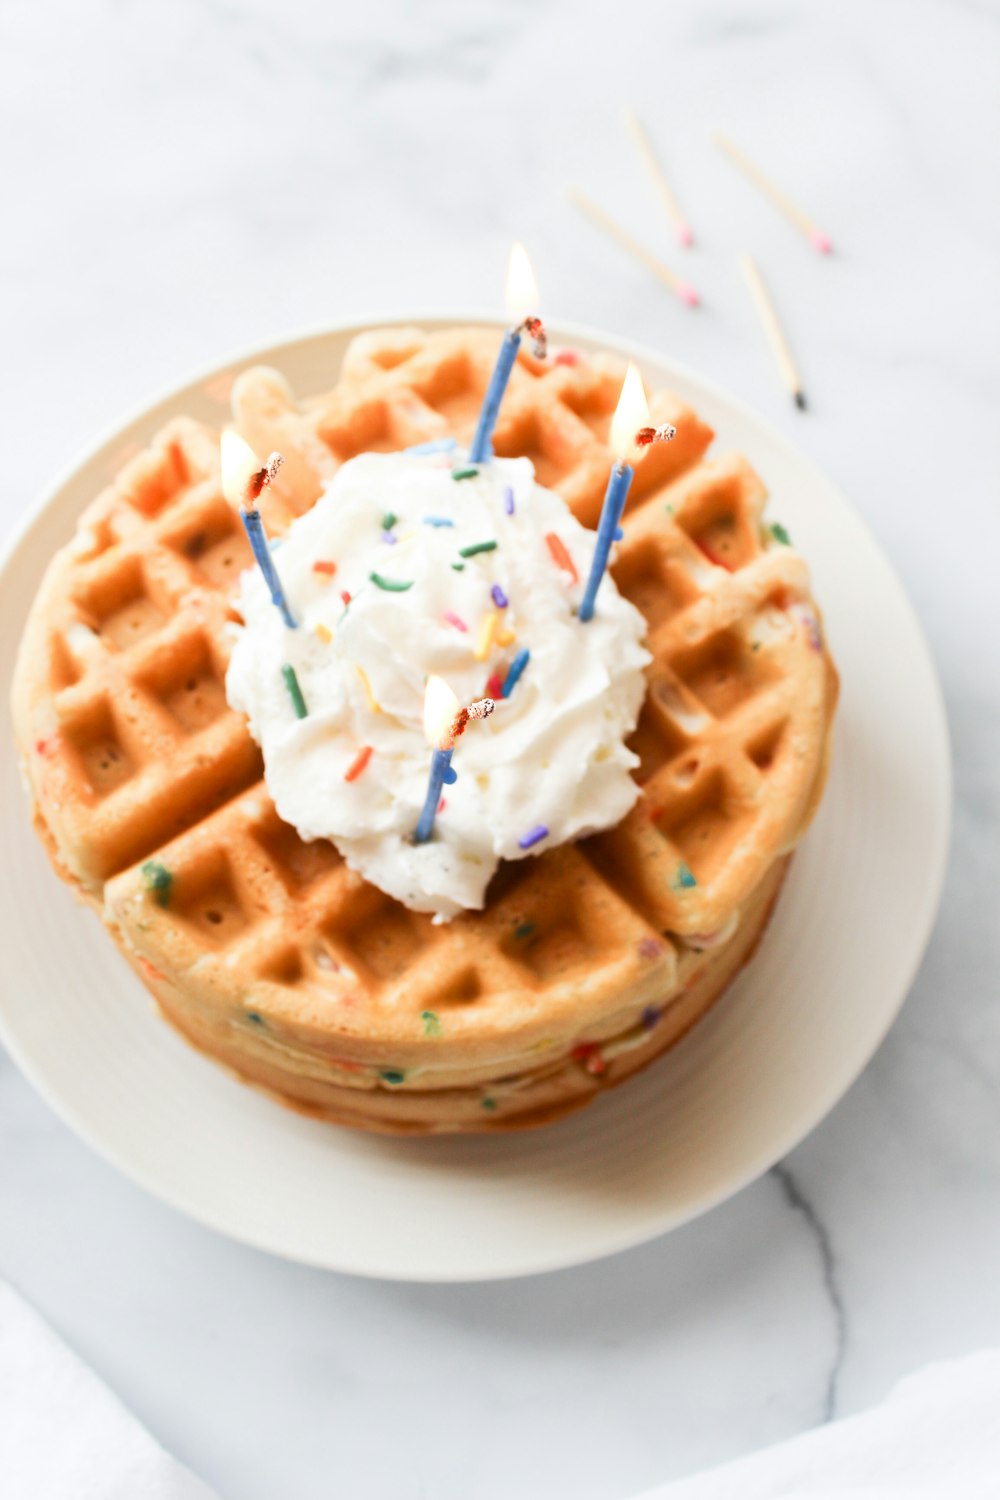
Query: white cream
[552,754]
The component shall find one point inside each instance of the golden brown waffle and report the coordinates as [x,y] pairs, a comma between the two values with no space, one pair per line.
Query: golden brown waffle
[273,956]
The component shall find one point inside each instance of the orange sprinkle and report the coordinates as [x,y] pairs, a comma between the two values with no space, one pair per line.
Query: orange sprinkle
[323,631]
[329,568]
[358,763]
[560,556]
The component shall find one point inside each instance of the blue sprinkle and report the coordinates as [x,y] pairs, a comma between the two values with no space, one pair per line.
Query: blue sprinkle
[499,597]
[508,500]
[517,666]
[390,538]
[438,521]
[437,445]
[684,879]
[650,1017]
[534,836]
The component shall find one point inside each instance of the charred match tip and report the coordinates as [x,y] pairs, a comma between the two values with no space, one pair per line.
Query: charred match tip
[479,710]
[261,478]
[663,434]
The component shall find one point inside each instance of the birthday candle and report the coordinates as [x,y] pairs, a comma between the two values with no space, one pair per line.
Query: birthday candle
[444,723]
[243,478]
[522,297]
[630,429]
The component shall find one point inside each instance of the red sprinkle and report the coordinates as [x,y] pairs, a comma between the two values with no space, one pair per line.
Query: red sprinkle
[712,555]
[358,763]
[345,596]
[325,567]
[441,805]
[654,812]
[590,1054]
[494,685]
[41,746]
[567,357]
[560,556]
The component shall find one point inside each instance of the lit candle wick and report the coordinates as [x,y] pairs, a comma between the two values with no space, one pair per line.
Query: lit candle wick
[260,479]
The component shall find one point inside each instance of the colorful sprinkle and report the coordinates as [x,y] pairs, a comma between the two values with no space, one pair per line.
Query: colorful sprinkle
[488,1103]
[432,1023]
[436,445]
[475,548]
[560,556]
[499,597]
[533,836]
[359,763]
[325,567]
[683,877]
[438,521]
[391,585]
[508,500]
[458,567]
[455,620]
[515,671]
[651,1017]
[567,357]
[650,947]
[590,1054]
[389,520]
[373,702]
[494,685]
[390,538]
[780,534]
[392,1075]
[255,1017]
[487,630]
[158,880]
[505,637]
[524,930]
[324,632]
[469,473]
[346,597]
[294,691]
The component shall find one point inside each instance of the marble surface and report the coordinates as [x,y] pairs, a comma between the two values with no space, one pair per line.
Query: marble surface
[182,179]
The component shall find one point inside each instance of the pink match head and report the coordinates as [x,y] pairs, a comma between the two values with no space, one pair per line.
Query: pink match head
[685,234]
[822,242]
[687,293]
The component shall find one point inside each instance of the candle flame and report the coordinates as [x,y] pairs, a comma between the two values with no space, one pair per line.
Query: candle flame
[243,474]
[522,289]
[440,708]
[631,413]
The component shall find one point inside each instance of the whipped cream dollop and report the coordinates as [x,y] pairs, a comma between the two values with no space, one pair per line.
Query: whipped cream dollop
[464,579]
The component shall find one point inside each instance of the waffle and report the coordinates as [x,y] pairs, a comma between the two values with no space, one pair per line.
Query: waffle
[269,953]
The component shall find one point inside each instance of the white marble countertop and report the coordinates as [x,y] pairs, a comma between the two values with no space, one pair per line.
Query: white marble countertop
[182,179]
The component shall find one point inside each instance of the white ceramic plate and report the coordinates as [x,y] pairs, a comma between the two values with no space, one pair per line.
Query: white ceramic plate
[748,1083]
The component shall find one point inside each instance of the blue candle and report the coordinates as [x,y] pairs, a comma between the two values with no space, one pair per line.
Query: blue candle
[254,527]
[522,296]
[607,532]
[441,775]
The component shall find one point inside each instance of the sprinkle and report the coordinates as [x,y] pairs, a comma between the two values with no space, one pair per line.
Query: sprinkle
[683,878]
[441,805]
[469,473]
[455,620]
[391,585]
[346,597]
[508,500]
[389,538]
[458,567]
[157,879]
[392,1075]
[487,630]
[438,521]
[488,1103]
[294,691]
[436,445]
[323,631]
[325,567]
[505,637]
[373,703]
[590,1054]
[432,1023]
[533,836]
[780,534]
[560,556]
[255,1017]
[359,763]
[499,597]
[650,947]
[567,357]
[476,547]
[524,930]
[650,1017]
[514,672]
[389,520]
[494,685]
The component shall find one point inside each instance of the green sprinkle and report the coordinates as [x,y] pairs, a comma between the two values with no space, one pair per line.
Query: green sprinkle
[389,520]
[255,1017]
[669,509]
[294,691]
[684,878]
[525,930]
[477,547]
[157,879]
[392,1075]
[432,1023]
[458,567]
[393,585]
[755,645]
[780,534]
[489,1103]
[464,473]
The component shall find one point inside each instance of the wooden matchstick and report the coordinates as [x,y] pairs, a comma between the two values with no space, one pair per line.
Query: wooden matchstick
[645,149]
[682,289]
[775,333]
[817,237]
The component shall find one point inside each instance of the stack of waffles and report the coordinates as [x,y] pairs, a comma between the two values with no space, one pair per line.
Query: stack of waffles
[272,956]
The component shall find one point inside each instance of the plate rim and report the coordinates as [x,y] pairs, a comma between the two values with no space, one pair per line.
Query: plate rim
[612,1242]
